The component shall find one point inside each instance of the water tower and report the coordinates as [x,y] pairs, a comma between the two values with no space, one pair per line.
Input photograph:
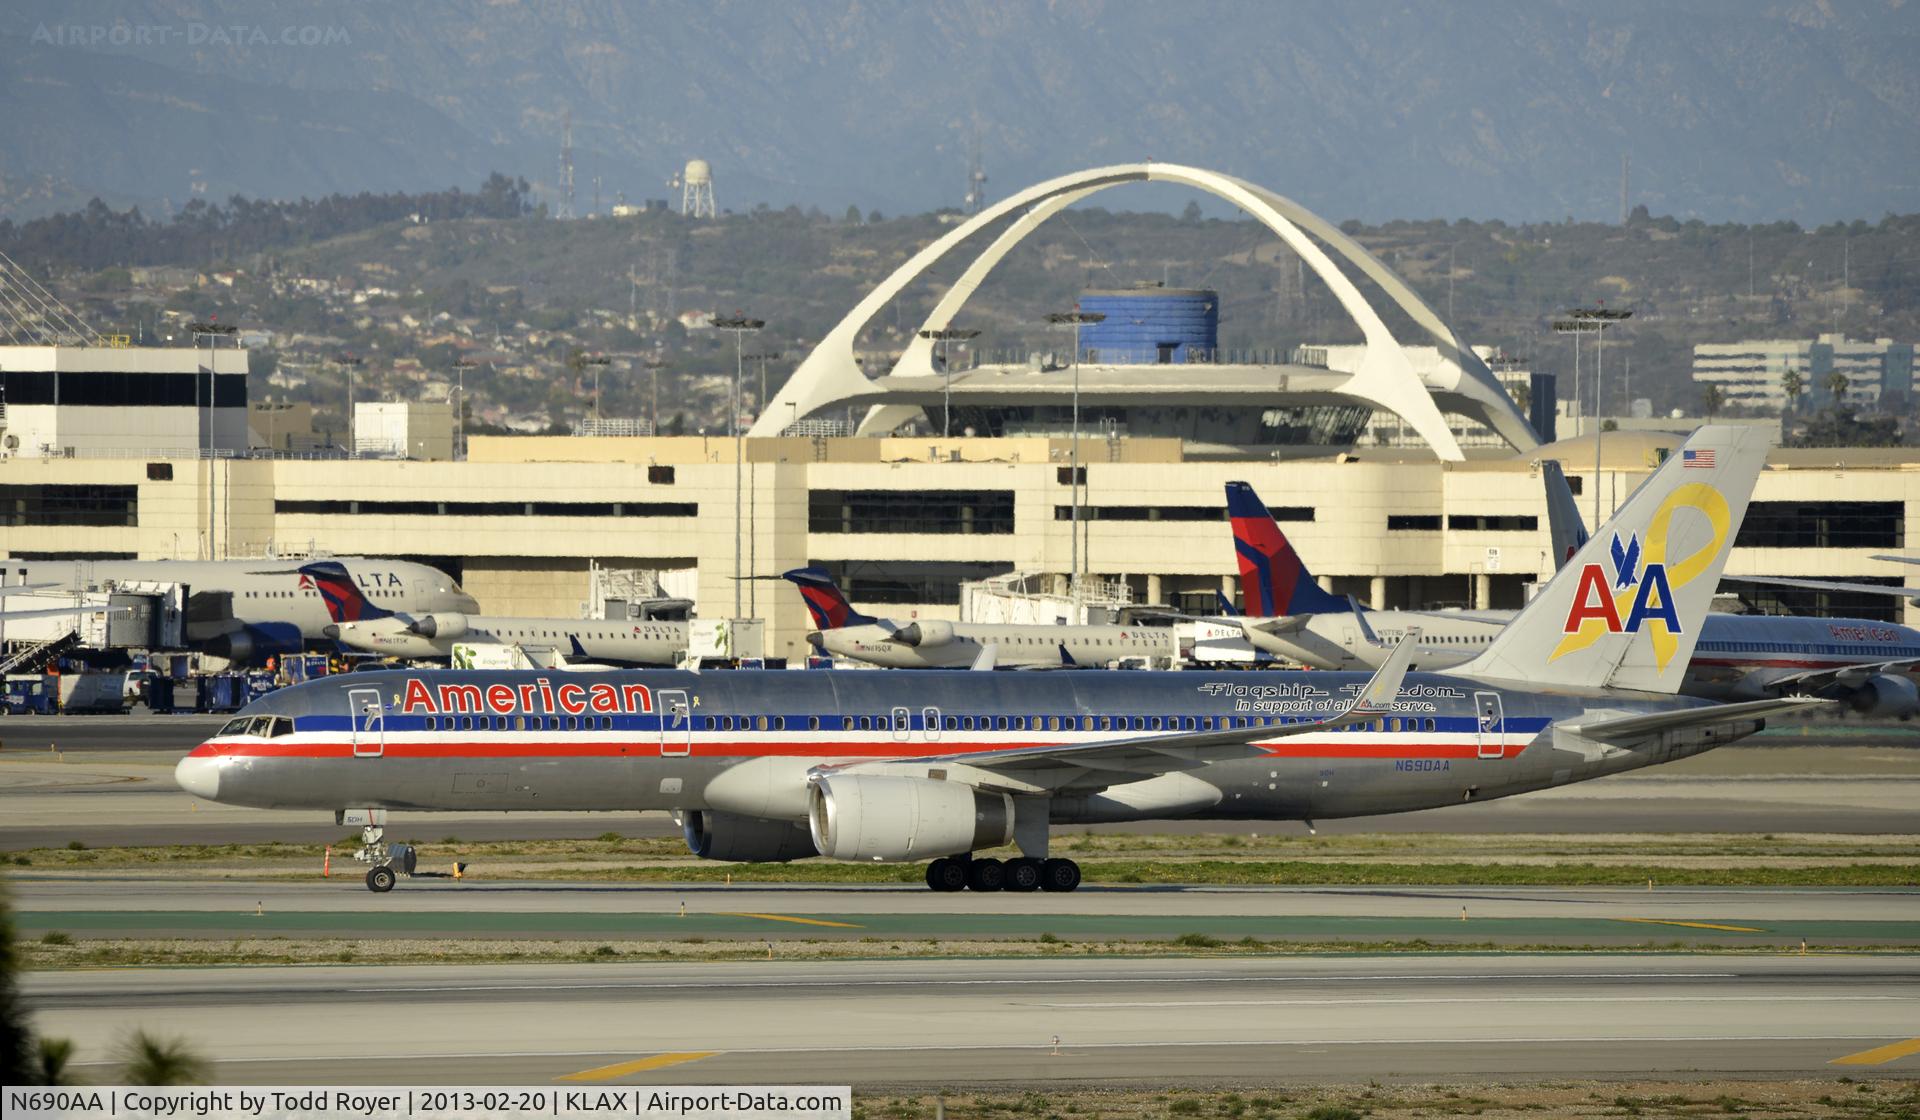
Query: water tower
[696,190]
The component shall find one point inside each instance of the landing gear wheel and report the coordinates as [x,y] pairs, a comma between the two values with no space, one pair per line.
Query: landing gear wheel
[380,880]
[945,874]
[1023,874]
[1059,875]
[986,875]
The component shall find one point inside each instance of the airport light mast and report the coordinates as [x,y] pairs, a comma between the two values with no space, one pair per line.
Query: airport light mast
[943,336]
[1076,319]
[654,365]
[598,362]
[762,358]
[460,368]
[1595,321]
[212,331]
[739,326]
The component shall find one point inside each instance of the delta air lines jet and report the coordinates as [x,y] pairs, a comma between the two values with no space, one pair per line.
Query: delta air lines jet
[935,644]
[361,624]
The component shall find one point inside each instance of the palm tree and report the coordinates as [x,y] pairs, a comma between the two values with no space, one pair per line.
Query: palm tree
[1837,385]
[55,1055]
[1711,398]
[160,1061]
[16,1037]
[1792,384]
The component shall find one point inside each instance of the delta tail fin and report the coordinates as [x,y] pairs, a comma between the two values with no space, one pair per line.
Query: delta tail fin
[1564,527]
[829,608]
[1273,580]
[1626,610]
[344,600]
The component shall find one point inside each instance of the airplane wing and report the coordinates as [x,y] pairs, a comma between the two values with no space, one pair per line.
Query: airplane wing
[1842,674]
[1275,624]
[1625,729]
[1833,585]
[1142,756]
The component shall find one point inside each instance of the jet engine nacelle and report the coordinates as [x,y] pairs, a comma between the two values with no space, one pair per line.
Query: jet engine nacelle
[925,635]
[1885,695]
[256,642]
[894,819]
[440,625]
[738,839]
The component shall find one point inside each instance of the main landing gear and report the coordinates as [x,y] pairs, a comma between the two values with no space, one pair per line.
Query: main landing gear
[953,873]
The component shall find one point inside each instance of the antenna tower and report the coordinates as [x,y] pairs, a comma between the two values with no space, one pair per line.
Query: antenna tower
[1626,173]
[31,316]
[976,198]
[566,167]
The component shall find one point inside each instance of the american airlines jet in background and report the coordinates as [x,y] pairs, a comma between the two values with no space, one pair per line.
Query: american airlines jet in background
[248,610]
[360,624]
[935,644]
[1870,666]
[769,766]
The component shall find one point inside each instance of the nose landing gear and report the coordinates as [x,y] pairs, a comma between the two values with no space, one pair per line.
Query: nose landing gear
[390,861]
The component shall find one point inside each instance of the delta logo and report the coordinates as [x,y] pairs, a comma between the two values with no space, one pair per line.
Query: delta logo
[1599,599]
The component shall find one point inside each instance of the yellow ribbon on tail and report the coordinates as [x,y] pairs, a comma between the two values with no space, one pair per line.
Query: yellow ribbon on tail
[1697,496]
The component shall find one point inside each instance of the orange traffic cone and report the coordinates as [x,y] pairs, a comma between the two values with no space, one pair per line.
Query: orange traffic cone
[326,865]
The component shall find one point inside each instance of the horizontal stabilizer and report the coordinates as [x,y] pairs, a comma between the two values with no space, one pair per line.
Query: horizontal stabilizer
[1830,585]
[1623,729]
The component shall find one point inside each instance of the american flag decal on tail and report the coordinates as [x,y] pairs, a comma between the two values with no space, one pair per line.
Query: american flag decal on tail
[1702,459]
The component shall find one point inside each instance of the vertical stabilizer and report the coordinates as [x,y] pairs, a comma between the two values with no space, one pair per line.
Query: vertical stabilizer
[344,600]
[1625,612]
[1273,580]
[1564,527]
[829,608]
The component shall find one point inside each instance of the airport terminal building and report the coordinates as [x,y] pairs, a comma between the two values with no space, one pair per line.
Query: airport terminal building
[905,521]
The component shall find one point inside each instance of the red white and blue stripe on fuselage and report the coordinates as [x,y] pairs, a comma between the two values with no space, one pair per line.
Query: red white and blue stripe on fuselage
[748,715]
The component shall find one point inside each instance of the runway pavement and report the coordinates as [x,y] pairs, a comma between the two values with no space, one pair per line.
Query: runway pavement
[128,798]
[129,906]
[884,1024]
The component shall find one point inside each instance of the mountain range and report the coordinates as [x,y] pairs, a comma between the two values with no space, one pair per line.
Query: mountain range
[1516,109]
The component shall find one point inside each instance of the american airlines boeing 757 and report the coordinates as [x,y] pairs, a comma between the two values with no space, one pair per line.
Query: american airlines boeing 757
[936,766]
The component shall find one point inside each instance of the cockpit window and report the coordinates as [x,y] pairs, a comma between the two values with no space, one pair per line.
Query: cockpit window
[282,725]
[236,726]
[262,726]
[259,727]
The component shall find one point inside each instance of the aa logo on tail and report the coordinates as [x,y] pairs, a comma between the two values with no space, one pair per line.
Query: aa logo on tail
[1597,601]
[1637,594]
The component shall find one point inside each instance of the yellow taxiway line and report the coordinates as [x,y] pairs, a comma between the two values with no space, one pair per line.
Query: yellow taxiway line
[790,918]
[638,1065]
[1880,1055]
[1691,925]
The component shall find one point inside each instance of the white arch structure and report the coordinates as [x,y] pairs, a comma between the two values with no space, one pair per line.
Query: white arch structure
[1385,379]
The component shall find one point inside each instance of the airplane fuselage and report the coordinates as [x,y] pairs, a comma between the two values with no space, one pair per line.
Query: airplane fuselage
[227,597]
[957,645]
[744,742]
[626,642]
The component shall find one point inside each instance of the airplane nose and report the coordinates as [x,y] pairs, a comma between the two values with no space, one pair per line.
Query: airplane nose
[199,775]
